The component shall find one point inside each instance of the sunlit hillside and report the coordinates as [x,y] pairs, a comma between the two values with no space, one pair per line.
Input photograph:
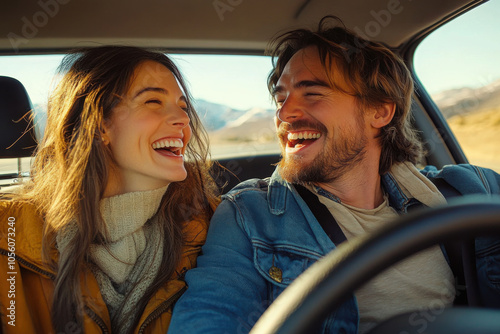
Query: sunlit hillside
[479,136]
[474,117]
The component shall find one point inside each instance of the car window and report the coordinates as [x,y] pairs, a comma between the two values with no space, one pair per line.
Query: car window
[233,101]
[36,74]
[230,95]
[458,65]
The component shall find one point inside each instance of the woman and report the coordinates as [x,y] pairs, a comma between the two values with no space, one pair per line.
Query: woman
[118,204]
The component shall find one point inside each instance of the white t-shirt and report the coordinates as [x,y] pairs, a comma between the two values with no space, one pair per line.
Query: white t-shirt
[422,283]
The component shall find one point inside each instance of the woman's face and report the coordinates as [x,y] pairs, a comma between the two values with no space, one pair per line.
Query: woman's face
[148,132]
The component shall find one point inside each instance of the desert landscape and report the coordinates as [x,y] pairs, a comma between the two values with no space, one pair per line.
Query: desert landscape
[479,136]
[474,117]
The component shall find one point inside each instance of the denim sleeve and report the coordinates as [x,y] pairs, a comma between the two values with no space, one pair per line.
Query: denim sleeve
[225,292]
[467,179]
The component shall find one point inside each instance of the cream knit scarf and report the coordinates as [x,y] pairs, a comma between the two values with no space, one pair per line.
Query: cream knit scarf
[127,264]
[414,184]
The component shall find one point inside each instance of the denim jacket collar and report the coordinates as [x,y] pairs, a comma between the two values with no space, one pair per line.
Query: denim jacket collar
[279,188]
[397,198]
[277,193]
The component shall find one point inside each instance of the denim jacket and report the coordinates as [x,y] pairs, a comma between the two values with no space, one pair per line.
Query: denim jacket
[263,235]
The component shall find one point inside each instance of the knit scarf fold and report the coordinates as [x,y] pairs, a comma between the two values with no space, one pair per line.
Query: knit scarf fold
[122,299]
[415,185]
[126,265]
[125,216]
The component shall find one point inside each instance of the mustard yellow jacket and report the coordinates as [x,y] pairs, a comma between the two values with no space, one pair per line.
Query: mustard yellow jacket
[26,283]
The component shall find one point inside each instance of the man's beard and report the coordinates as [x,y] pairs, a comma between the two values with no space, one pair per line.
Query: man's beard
[338,156]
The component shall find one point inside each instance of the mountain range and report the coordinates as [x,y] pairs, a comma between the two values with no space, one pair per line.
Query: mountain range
[233,125]
[467,100]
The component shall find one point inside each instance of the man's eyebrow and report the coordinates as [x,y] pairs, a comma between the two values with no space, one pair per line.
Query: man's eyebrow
[150,89]
[303,84]
[311,83]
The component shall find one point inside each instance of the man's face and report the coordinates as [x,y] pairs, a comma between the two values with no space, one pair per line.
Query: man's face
[322,131]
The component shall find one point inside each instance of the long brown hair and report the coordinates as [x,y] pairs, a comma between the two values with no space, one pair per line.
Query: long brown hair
[372,73]
[71,169]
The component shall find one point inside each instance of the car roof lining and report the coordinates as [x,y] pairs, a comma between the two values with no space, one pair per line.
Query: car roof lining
[227,26]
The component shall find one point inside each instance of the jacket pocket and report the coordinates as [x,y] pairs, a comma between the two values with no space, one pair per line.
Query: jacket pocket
[281,265]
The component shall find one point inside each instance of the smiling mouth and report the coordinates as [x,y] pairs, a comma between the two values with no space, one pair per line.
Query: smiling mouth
[302,139]
[169,146]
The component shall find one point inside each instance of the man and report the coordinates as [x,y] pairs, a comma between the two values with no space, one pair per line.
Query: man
[343,122]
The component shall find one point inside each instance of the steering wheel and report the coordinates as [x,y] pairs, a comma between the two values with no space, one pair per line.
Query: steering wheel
[332,279]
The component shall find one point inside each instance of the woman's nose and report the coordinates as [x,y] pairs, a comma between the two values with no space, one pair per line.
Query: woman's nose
[179,118]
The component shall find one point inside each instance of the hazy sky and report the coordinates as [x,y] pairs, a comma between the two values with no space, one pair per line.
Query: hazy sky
[465,52]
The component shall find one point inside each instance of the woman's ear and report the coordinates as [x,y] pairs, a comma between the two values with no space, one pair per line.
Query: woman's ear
[104,134]
[383,115]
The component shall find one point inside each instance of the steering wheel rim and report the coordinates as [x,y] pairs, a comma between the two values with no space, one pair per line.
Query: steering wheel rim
[331,280]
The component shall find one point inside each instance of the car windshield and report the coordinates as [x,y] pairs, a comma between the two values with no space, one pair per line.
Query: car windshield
[230,95]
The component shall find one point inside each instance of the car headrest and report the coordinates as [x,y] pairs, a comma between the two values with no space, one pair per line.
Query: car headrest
[17,132]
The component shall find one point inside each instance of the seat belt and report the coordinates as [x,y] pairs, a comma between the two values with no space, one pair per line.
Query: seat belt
[462,257]
[461,254]
[322,214]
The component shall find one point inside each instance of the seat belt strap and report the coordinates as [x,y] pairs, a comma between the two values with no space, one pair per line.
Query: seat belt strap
[322,214]
[460,254]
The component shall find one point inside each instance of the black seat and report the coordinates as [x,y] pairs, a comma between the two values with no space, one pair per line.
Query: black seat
[229,172]
[17,133]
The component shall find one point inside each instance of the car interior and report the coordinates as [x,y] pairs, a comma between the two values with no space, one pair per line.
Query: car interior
[233,27]
[243,27]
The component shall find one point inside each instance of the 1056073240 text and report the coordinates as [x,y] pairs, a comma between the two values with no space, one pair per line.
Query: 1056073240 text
[11,271]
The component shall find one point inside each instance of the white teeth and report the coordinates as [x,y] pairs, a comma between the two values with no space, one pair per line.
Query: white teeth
[168,143]
[303,135]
